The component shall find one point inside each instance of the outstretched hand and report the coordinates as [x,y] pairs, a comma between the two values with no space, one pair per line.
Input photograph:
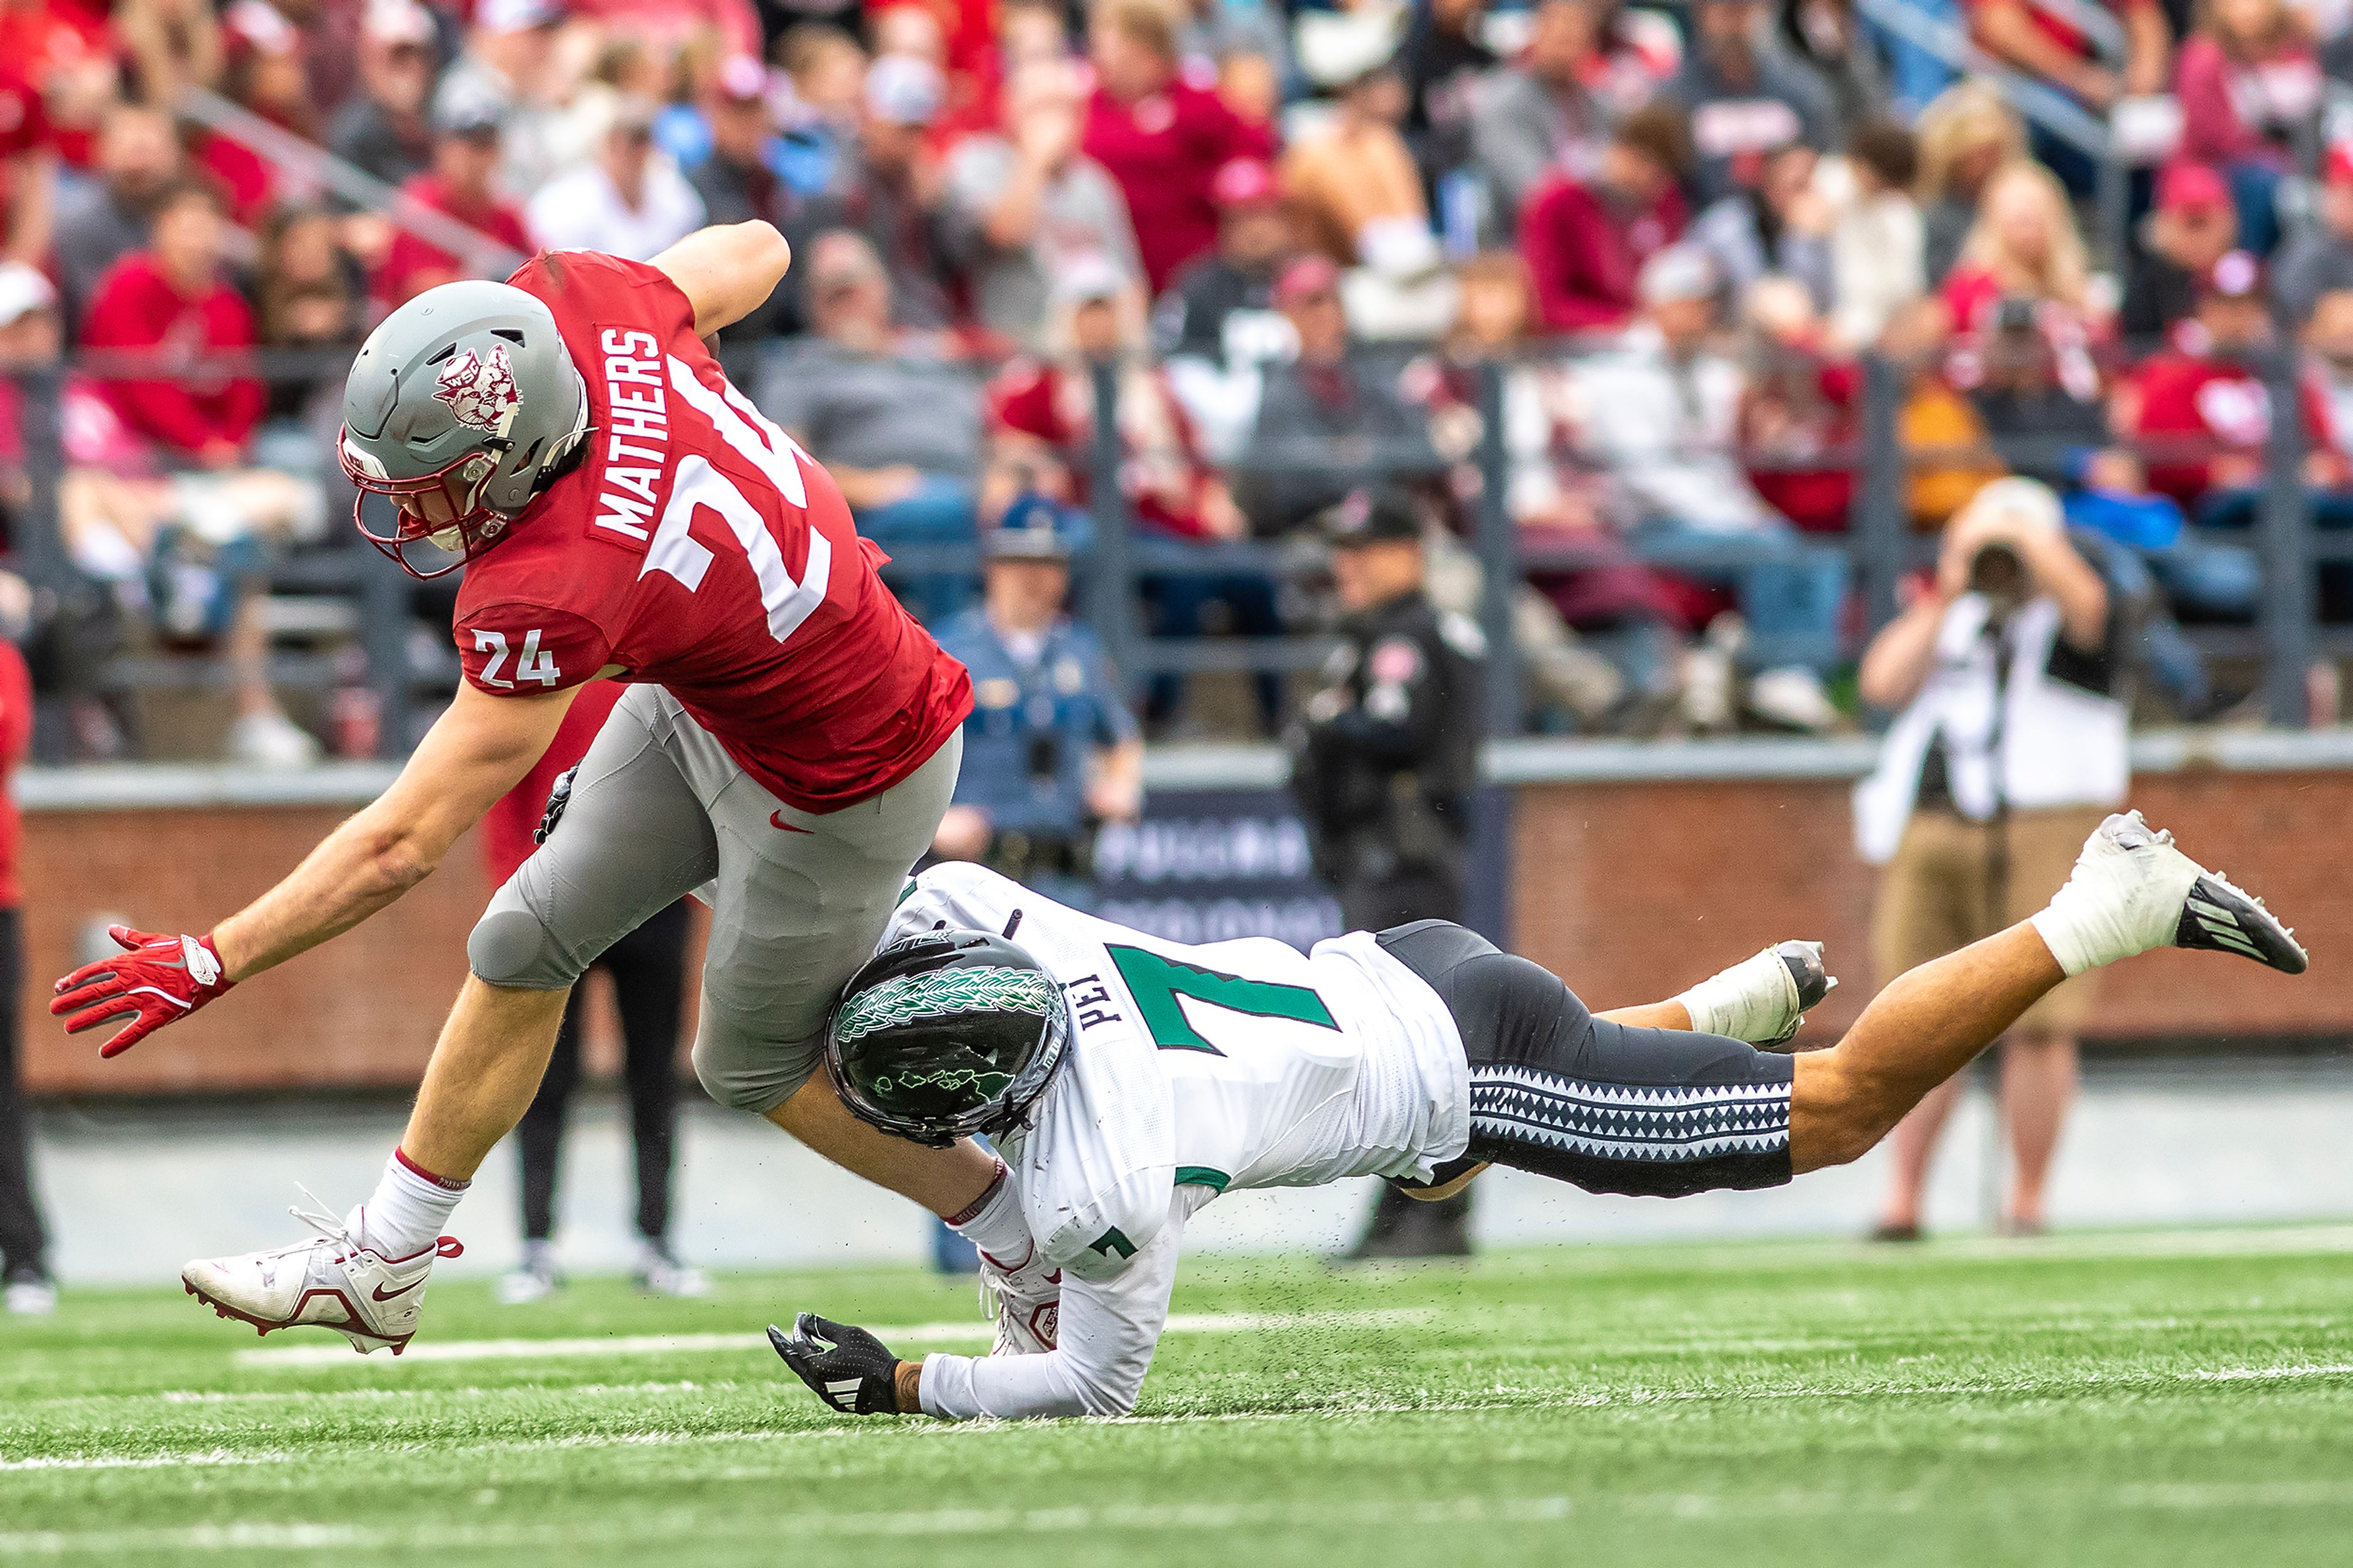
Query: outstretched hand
[158,980]
[843,1364]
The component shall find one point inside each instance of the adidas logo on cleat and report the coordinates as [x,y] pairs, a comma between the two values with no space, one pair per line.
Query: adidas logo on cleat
[2221,926]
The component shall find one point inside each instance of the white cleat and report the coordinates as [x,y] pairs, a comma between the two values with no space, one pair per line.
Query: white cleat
[2132,891]
[1027,1303]
[659,1274]
[1764,997]
[31,1296]
[332,1282]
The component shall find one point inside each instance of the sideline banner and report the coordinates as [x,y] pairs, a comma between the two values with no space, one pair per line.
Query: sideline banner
[1210,865]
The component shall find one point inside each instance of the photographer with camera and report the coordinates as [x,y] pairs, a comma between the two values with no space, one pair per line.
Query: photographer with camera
[2011,746]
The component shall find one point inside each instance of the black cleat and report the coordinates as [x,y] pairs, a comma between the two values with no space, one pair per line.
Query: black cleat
[1806,967]
[2219,918]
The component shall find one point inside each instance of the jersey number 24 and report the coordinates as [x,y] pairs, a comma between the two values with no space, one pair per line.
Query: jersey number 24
[787,600]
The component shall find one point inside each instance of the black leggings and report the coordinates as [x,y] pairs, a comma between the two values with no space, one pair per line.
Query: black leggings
[22,1243]
[648,970]
[1612,1109]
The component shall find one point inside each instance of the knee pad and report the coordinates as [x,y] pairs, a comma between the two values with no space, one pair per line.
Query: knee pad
[510,946]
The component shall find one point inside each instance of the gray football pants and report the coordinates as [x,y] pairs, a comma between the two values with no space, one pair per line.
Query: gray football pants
[798,901]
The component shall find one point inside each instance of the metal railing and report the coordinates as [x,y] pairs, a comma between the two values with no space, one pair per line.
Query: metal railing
[1879,540]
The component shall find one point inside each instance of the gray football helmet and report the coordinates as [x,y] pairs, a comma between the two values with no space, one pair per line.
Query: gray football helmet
[459,409]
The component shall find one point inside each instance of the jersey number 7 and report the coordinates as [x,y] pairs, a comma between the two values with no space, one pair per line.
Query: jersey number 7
[1156,982]
[788,600]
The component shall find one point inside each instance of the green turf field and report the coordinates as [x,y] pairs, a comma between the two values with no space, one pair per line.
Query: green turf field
[2105,1400]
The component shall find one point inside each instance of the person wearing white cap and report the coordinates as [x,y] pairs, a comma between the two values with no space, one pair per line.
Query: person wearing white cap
[2011,742]
[1024,203]
[631,201]
[509,50]
[384,128]
[1660,415]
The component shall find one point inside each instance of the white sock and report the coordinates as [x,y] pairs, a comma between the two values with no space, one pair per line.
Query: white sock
[2116,903]
[1745,1002]
[405,1214]
[995,1224]
[2078,943]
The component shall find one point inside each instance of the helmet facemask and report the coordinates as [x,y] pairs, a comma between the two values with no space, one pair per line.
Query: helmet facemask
[444,508]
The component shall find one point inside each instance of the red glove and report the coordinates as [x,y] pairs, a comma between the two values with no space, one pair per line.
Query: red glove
[163,980]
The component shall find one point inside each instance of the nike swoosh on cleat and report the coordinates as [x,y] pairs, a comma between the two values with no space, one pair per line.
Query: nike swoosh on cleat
[776,819]
[381,1294]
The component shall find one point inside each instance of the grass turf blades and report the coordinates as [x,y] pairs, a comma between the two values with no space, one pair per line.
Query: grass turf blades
[2118,1400]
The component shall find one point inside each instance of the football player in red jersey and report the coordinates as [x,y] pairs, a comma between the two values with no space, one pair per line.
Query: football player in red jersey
[786,747]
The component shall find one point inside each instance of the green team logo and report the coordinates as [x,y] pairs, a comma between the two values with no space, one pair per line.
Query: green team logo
[945,993]
[982,1079]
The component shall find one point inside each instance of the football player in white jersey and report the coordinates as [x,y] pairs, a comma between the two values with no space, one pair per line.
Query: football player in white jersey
[1128,1081]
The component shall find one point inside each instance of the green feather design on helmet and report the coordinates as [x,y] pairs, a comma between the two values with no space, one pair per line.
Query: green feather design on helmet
[986,1082]
[946,993]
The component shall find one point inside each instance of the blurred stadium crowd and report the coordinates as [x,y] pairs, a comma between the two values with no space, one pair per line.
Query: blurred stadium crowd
[1682,231]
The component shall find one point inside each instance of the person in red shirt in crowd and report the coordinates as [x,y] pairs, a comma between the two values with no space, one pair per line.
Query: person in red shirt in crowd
[2040,41]
[2204,412]
[2025,246]
[1044,409]
[462,183]
[28,150]
[647,969]
[2195,226]
[1585,240]
[1798,427]
[1049,406]
[173,298]
[2248,82]
[72,55]
[1162,138]
[24,1264]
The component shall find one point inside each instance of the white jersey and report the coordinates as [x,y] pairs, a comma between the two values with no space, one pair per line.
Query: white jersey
[1193,1071]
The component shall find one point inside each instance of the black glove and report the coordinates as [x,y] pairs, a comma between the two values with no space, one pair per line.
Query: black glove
[856,1373]
[557,799]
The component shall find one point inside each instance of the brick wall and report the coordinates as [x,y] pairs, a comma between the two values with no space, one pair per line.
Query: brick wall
[1630,889]
[361,1011]
[1634,891]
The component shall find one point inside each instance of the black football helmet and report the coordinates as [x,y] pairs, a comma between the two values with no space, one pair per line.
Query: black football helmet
[946,1035]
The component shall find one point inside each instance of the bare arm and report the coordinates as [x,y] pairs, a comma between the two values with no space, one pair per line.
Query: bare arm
[2010,33]
[1116,791]
[1898,658]
[474,754]
[2072,584]
[2149,50]
[33,214]
[727,271]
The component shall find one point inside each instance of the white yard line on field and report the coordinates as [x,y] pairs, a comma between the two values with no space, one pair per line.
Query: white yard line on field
[1505,1403]
[968,1332]
[430,1535]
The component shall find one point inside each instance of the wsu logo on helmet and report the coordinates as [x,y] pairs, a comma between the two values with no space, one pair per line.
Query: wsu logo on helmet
[480,393]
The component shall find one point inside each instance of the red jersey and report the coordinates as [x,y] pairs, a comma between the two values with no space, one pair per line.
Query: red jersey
[696,548]
[513,817]
[2198,403]
[136,306]
[1584,253]
[1164,151]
